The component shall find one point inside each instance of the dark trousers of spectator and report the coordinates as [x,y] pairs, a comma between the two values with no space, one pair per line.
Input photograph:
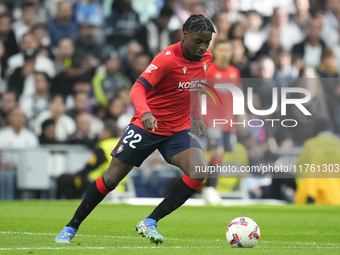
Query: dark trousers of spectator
[71,186]
[279,188]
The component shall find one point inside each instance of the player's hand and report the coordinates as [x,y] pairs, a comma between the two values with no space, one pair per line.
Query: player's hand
[149,121]
[200,126]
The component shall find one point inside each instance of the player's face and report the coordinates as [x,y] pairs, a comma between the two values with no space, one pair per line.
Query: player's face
[196,44]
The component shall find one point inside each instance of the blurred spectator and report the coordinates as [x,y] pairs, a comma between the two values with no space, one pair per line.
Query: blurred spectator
[302,17]
[64,54]
[222,24]
[236,31]
[155,36]
[65,125]
[134,48]
[62,26]
[333,102]
[297,62]
[115,108]
[90,11]
[107,84]
[290,34]
[33,105]
[331,13]
[9,101]
[3,85]
[240,60]
[140,63]
[40,12]
[14,136]
[29,50]
[98,114]
[329,35]
[83,134]
[182,12]
[316,106]
[63,83]
[48,132]
[253,38]
[74,185]
[81,85]
[285,71]
[41,33]
[232,7]
[87,52]
[3,9]
[123,24]
[311,49]
[264,86]
[198,8]
[328,69]
[8,38]
[321,150]
[21,80]
[80,103]
[272,46]
[23,25]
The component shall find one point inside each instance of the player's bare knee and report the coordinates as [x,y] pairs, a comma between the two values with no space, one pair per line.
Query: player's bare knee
[110,179]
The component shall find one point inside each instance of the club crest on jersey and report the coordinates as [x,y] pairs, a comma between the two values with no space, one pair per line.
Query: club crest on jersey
[150,68]
[184,70]
[120,149]
[205,67]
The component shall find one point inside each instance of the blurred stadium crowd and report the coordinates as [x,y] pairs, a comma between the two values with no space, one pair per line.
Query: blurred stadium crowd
[66,67]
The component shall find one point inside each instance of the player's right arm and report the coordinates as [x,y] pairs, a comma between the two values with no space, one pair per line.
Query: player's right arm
[138,97]
[159,67]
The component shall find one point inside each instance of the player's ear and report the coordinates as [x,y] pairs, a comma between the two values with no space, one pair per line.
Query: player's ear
[185,33]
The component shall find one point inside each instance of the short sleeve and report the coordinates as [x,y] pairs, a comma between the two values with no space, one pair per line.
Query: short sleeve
[159,67]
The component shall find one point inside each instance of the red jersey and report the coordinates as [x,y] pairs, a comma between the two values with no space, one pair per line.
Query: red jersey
[167,79]
[226,110]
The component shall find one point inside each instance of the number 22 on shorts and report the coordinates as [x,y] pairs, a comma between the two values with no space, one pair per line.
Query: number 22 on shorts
[137,139]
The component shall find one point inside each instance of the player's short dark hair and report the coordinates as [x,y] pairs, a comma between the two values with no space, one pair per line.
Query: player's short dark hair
[198,24]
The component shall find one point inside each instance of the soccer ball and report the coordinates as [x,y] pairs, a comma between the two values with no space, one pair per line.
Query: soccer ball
[243,232]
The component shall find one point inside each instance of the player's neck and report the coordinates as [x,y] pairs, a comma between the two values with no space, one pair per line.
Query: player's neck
[185,54]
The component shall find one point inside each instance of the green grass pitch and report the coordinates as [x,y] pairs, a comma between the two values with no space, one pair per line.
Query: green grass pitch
[30,228]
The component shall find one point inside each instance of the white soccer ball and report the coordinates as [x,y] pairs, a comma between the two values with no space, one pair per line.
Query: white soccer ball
[243,232]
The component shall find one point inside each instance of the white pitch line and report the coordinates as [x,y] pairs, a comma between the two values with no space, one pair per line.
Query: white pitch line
[314,245]
[108,248]
[157,247]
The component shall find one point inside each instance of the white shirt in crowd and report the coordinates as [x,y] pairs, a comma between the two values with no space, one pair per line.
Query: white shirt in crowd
[19,28]
[10,140]
[290,35]
[65,125]
[42,64]
[312,55]
[253,41]
[25,139]
[32,106]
